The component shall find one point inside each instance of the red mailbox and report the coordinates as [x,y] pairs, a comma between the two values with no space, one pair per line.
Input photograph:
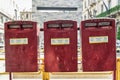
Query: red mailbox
[21,44]
[98,44]
[60,44]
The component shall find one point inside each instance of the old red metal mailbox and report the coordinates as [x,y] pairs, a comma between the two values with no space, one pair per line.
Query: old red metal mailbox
[21,44]
[98,44]
[60,44]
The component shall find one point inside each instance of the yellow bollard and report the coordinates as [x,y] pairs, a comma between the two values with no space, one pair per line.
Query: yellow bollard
[2,58]
[118,69]
[45,75]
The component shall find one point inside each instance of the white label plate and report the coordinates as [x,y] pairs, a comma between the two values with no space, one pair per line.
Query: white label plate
[60,41]
[98,39]
[18,41]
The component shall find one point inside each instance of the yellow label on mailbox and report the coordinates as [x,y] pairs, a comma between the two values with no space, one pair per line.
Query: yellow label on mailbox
[98,39]
[60,41]
[18,41]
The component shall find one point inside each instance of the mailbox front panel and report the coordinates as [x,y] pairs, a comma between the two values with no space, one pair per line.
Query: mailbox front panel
[60,46]
[21,46]
[98,45]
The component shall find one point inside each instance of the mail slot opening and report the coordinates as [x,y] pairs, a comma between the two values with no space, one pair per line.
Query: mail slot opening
[27,26]
[53,25]
[67,25]
[105,25]
[90,25]
[14,26]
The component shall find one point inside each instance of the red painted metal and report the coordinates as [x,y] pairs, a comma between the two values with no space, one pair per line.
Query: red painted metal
[61,56]
[21,46]
[98,45]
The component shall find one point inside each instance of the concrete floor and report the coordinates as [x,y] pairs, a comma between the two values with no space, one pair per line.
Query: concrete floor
[6,77]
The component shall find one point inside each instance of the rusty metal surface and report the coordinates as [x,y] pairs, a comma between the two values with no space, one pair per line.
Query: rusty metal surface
[98,55]
[60,57]
[21,46]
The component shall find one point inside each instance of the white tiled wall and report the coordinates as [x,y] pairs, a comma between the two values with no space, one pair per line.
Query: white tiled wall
[41,17]
[59,3]
[46,16]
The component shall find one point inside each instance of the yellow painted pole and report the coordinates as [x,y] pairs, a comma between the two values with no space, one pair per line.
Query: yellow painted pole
[2,58]
[118,69]
[45,75]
